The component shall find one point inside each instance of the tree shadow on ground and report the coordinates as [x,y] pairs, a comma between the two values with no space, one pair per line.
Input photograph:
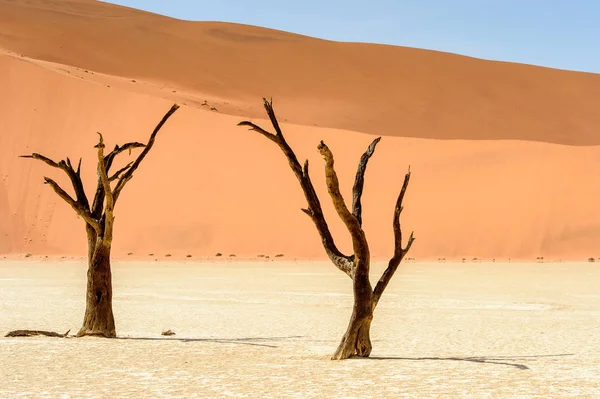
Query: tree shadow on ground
[252,341]
[502,360]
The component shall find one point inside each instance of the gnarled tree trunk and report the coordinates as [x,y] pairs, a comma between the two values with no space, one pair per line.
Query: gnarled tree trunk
[356,341]
[99,319]
[99,221]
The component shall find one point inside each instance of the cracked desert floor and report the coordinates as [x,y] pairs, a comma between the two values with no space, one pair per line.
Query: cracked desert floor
[266,330]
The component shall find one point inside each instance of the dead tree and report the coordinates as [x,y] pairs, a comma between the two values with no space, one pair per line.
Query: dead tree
[356,340]
[99,223]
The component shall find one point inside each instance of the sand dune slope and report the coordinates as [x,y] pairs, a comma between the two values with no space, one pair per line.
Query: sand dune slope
[362,87]
[211,186]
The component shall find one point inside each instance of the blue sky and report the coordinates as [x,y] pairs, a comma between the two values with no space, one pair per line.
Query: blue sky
[561,34]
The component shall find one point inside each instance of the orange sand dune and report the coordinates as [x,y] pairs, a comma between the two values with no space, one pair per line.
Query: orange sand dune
[210,186]
[376,89]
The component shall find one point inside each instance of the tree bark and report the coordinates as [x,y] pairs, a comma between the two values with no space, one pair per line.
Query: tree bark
[357,339]
[31,333]
[314,210]
[99,319]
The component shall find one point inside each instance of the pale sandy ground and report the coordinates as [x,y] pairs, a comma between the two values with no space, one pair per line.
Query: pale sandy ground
[266,330]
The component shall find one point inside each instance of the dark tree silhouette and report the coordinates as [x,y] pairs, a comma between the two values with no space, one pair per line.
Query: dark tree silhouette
[356,340]
[99,222]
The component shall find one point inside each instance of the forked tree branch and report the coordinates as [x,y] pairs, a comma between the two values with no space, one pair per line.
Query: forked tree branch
[94,216]
[129,173]
[116,175]
[79,208]
[399,251]
[314,210]
[359,241]
[74,175]
[98,204]
[108,159]
[359,180]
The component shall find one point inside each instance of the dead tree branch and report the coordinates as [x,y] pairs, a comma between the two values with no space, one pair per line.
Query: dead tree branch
[314,210]
[108,159]
[399,252]
[74,175]
[31,333]
[116,175]
[78,207]
[359,180]
[129,173]
[359,241]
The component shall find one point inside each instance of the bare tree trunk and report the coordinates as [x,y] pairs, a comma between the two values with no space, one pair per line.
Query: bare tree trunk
[357,339]
[99,319]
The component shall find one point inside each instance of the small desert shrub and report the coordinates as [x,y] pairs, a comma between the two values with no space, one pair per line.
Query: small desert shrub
[218,254]
[150,254]
[279,256]
[129,253]
[168,255]
[232,255]
[591,260]
[28,255]
[188,256]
